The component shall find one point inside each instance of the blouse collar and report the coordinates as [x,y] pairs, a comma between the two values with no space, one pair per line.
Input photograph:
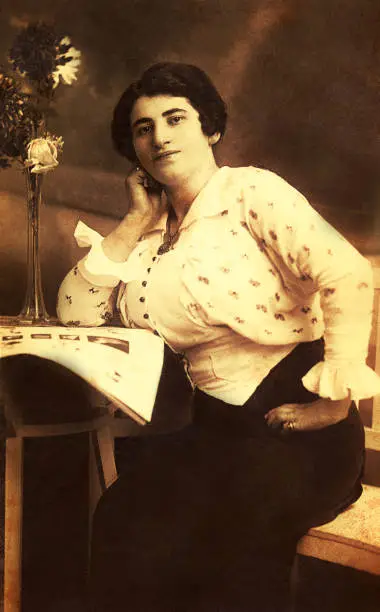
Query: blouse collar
[206,204]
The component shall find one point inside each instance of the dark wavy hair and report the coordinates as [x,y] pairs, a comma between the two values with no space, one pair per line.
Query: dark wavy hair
[174,79]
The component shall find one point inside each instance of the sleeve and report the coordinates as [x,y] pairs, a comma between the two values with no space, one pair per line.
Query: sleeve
[81,303]
[87,295]
[319,259]
[96,267]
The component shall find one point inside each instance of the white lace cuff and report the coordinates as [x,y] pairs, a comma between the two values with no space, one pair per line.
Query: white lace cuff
[96,267]
[334,382]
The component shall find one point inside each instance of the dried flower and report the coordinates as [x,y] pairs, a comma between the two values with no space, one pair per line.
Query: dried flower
[16,120]
[44,56]
[68,63]
[42,154]
[34,54]
[40,59]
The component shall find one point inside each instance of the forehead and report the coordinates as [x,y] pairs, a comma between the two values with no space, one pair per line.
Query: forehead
[153,107]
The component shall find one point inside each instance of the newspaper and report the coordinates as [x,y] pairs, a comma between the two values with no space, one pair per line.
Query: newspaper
[123,364]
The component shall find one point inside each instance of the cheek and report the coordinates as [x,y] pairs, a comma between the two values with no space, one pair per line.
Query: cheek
[197,137]
[140,150]
[200,143]
[136,146]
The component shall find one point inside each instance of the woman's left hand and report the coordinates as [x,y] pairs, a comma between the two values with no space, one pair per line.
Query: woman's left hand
[308,417]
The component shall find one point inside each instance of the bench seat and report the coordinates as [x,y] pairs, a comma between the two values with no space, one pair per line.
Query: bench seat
[353,538]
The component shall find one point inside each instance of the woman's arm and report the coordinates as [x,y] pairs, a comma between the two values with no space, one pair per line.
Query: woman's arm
[317,258]
[81,303]
[87,295]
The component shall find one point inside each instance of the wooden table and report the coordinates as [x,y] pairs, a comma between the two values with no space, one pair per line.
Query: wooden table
[23,419]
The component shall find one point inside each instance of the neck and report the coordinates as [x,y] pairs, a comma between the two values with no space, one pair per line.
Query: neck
[182,194]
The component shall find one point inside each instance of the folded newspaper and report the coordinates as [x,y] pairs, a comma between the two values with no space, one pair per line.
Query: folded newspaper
[123,364]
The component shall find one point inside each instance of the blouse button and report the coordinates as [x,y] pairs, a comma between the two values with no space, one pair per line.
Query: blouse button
[146,316]
[144,283]
[156,333]
[142,299]
[148,270]
[154,258]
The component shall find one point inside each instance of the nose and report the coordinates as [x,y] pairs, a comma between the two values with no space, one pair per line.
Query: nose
[160,136]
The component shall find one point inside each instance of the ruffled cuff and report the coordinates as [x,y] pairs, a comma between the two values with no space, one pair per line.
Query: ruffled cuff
[328,380]
[96,267]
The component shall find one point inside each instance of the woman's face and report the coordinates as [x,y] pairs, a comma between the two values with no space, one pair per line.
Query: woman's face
[168,138]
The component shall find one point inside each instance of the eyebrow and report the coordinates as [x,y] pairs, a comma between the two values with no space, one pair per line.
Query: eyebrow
[164,114]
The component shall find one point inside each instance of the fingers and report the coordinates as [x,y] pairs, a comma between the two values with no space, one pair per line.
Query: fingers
[140,176]
[137,181]
[308,417]
[137,176]
[142,200]
[284,417]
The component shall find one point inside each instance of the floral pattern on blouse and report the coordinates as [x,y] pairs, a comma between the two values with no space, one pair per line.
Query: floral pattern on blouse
[215,298]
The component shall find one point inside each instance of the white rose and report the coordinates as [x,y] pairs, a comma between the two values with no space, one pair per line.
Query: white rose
[42,155]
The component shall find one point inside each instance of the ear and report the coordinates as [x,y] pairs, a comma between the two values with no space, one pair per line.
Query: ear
[214,138]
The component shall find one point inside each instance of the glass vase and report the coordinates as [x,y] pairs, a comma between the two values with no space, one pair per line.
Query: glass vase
[33,311]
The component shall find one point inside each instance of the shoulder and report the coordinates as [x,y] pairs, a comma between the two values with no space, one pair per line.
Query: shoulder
[260,182]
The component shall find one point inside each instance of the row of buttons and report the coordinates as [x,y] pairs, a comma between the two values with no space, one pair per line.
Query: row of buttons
[182,357]
[142,298]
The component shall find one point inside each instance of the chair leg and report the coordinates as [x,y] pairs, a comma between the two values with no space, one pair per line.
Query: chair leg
[106,446]
[13,524]
[102,463]
[102,467]
[294,581]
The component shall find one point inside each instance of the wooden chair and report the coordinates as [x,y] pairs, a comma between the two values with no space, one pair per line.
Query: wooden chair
[353,538]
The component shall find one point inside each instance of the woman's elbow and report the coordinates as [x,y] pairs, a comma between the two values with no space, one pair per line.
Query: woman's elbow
[75,304]
[79,316]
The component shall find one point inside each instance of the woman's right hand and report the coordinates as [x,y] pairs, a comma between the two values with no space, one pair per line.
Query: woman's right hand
[145,207]
[144,198]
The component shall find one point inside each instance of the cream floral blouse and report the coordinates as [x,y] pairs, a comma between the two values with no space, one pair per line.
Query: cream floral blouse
[255,271]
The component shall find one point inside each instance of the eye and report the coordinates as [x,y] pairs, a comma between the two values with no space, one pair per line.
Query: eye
[143,129]
[175,119]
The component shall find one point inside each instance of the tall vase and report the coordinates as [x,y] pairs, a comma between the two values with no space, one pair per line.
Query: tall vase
[33,311]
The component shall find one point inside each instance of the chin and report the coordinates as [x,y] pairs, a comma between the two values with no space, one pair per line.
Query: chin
[169,176]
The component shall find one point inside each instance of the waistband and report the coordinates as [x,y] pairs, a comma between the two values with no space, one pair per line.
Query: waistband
[283,385]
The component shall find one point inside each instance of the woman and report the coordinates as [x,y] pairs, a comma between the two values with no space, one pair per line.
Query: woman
[270,310]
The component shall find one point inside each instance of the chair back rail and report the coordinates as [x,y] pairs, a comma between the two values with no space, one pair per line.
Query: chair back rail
[376,399]
[375,356]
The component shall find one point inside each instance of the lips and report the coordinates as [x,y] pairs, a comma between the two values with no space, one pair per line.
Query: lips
[165,155]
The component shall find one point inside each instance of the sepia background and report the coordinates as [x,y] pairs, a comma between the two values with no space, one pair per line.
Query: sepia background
[301,79]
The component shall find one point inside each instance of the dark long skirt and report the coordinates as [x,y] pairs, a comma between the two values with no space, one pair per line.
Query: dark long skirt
[207,519]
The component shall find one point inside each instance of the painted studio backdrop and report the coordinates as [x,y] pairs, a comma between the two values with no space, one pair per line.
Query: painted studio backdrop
[301,79]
